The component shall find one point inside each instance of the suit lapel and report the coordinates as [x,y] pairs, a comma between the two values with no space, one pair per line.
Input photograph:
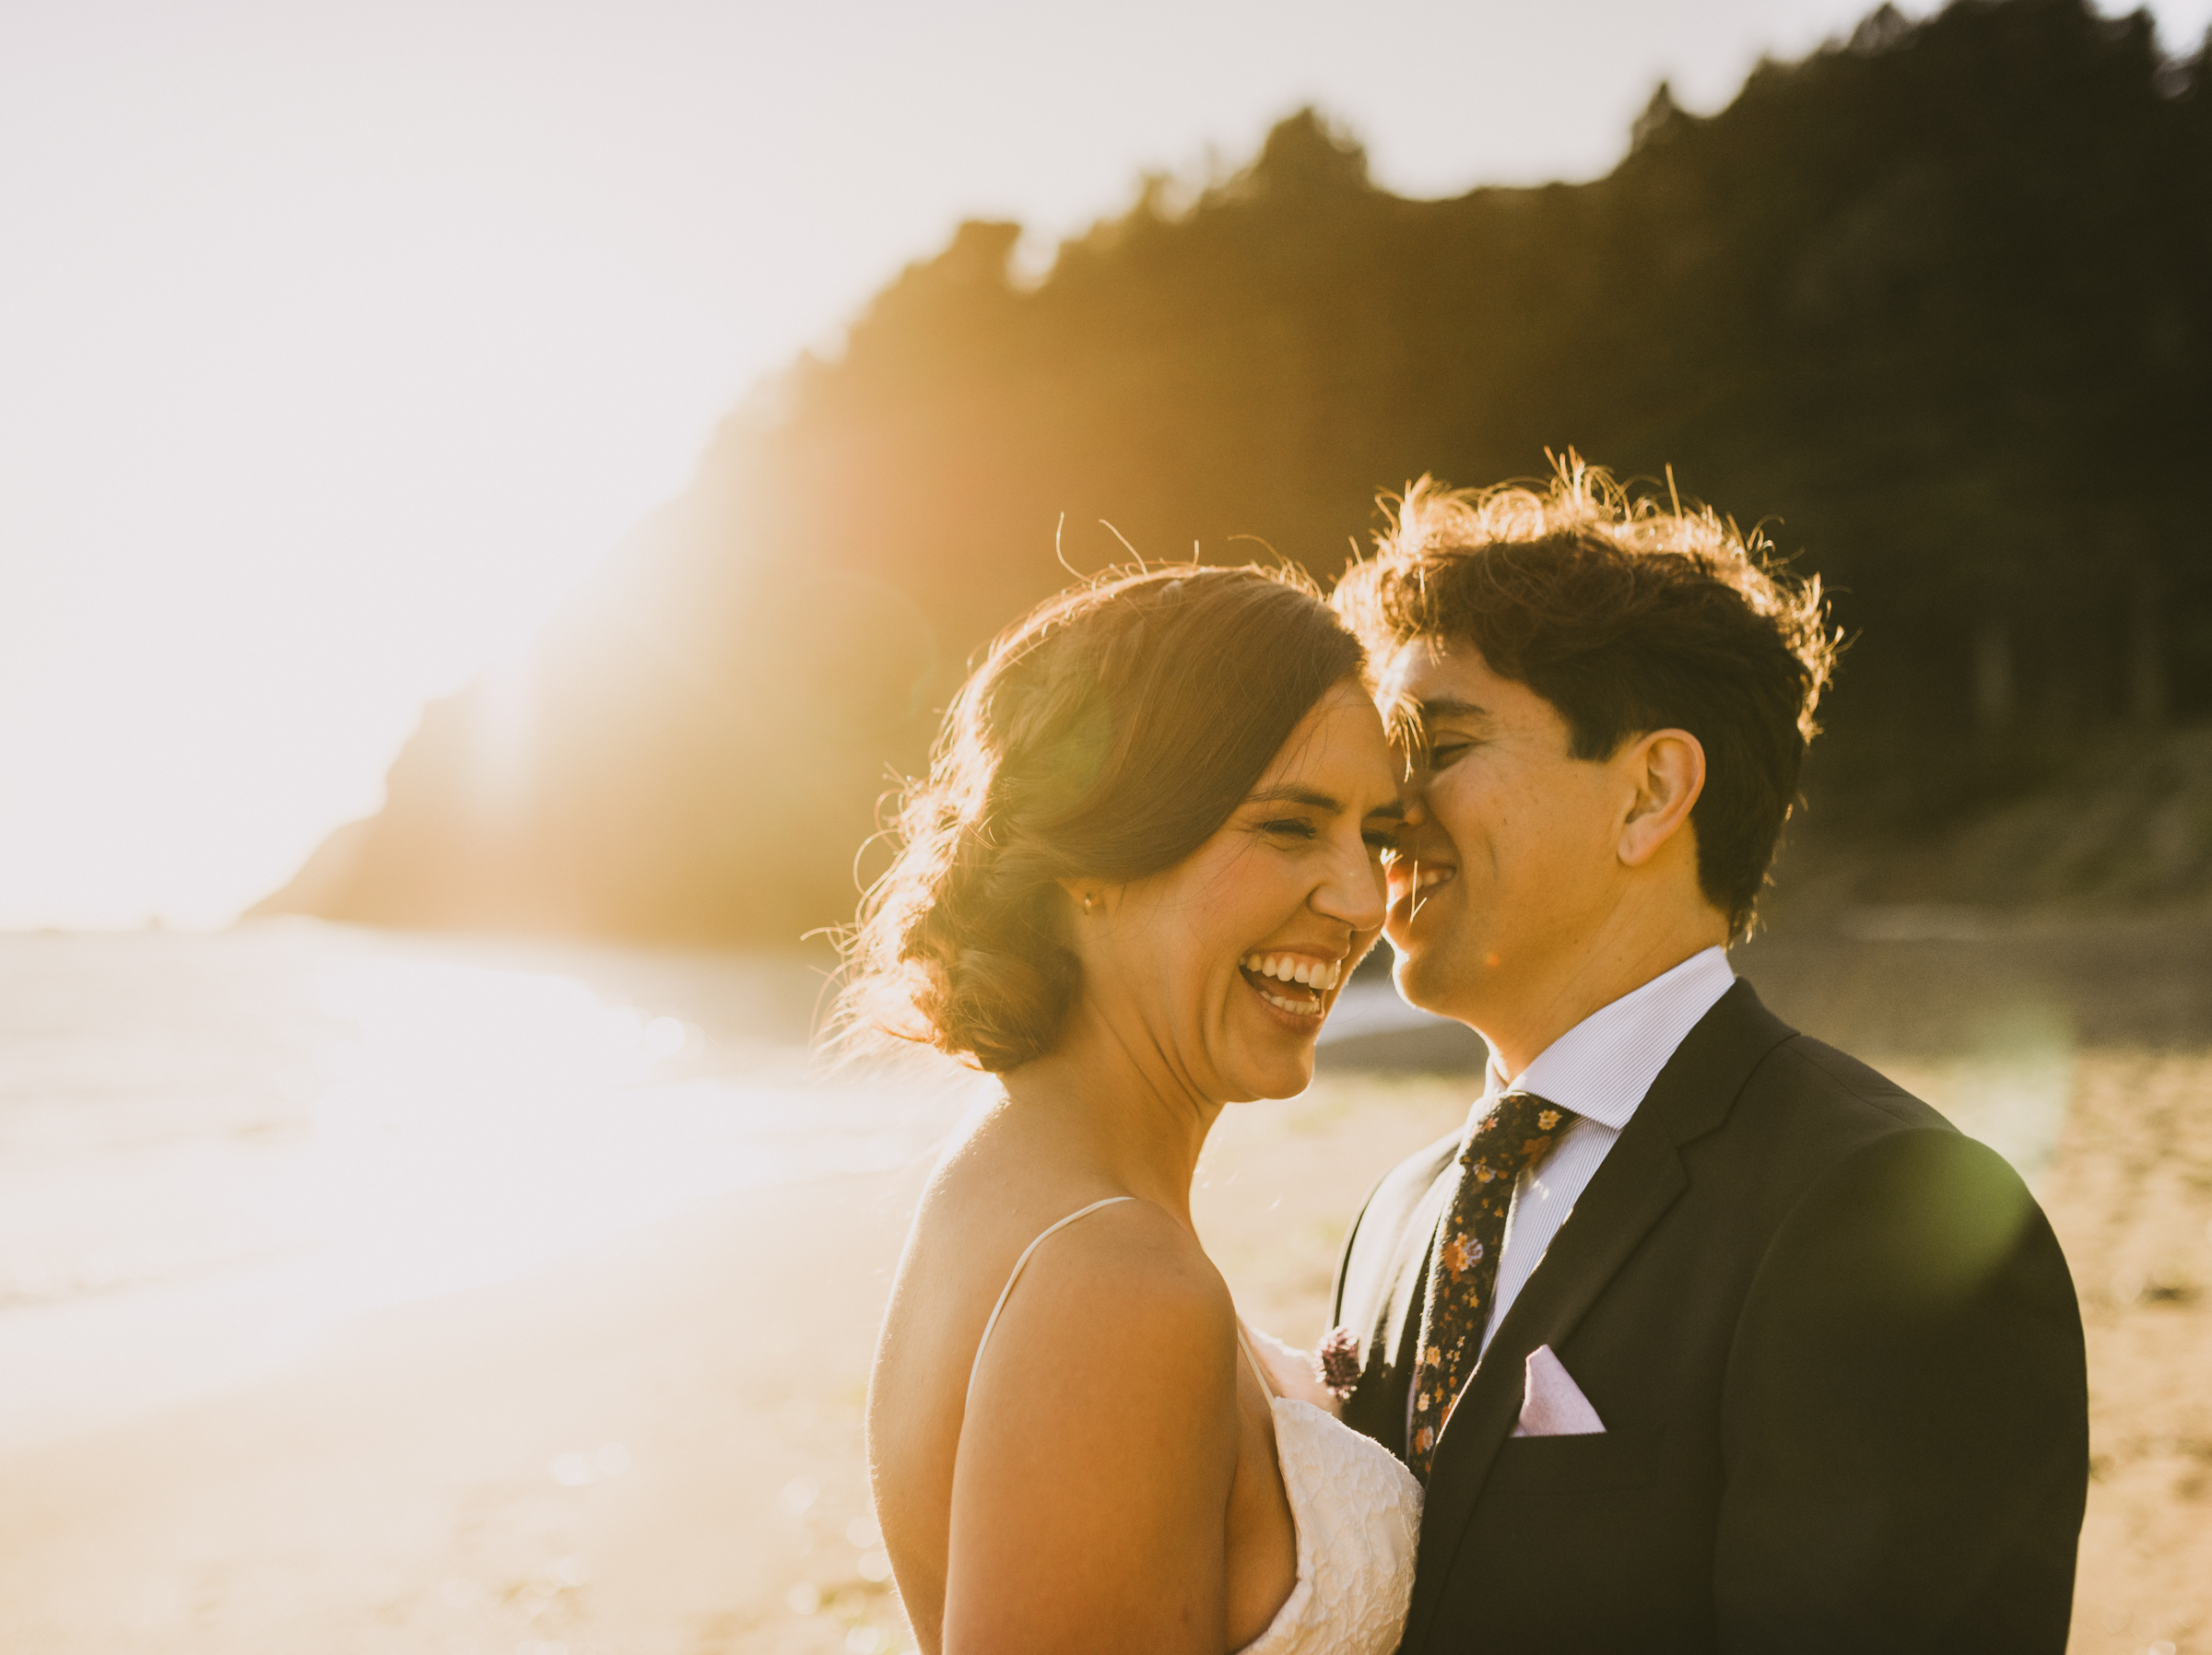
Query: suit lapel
[1379,1406]
[1639,1178]
[1405,1304]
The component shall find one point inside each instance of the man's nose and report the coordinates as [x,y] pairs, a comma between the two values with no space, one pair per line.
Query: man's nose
[1413,794]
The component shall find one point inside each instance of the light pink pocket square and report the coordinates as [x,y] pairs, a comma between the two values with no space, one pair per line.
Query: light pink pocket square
[1553,1404]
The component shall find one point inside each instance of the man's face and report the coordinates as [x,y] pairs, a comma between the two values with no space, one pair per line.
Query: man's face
[1509,858]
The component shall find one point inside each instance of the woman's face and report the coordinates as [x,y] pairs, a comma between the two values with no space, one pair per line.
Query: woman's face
[1224,966]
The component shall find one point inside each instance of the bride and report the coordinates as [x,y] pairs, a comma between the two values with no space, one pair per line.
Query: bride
[1147,856]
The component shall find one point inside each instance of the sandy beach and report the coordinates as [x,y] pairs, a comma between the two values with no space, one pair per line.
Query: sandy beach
[653,1448]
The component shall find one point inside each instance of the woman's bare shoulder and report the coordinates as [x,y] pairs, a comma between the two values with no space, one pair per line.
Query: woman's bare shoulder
[1125,1297]
[1098,1450]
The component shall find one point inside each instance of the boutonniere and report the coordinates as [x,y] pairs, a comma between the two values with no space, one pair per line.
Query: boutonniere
[1336,1361]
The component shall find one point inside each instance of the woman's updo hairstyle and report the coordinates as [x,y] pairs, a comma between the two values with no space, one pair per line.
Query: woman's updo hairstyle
[1107,736]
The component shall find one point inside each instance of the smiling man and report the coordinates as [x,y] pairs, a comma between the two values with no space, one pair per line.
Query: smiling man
[1703,1335]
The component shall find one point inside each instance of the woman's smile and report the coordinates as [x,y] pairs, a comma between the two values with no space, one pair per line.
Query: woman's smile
[1299,985]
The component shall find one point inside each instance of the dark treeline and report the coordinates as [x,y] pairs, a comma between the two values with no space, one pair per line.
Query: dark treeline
[1934,303]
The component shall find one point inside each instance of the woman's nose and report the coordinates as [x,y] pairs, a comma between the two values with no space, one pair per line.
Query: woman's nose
[1354,893]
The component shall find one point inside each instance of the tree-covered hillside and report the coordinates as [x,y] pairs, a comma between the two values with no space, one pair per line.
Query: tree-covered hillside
[1935,302]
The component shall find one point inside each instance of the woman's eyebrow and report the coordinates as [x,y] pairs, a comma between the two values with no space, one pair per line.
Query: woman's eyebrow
[1307,797]
[1296,795]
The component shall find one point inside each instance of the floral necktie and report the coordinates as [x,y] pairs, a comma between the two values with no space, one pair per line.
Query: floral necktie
[1463,1266]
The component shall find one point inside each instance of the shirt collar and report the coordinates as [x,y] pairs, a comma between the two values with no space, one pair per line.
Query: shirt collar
[1602,1067]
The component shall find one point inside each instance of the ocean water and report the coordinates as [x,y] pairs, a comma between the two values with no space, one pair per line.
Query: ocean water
[216,1146]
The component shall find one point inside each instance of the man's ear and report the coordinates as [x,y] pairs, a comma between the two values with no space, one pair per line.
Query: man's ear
[1667,771]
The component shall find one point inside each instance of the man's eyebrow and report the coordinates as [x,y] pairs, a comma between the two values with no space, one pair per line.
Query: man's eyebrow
[1406,718]
[1446,707]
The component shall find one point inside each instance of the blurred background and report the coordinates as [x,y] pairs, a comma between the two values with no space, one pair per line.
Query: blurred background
[491,497]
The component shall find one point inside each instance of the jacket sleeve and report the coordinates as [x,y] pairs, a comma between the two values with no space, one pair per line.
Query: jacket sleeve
[1905,1417]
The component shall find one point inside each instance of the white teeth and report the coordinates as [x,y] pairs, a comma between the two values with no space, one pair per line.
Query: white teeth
[1320,976]
[1308,1008]
[1429,876]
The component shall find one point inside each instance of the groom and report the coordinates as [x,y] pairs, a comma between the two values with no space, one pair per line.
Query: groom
[1703,1335]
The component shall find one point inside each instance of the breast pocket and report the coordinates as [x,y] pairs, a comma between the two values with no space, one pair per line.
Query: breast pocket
[1574,1464]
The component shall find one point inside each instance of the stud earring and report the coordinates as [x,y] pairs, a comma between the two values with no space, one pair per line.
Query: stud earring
[1090,901]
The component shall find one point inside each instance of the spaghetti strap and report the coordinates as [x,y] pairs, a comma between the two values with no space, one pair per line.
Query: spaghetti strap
[974,1367]
[1258,1372]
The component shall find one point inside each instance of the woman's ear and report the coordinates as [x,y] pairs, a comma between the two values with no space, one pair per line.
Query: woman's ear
[1088,894]
[1667,771]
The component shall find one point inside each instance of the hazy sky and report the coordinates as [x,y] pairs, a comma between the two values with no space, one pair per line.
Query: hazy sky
[336,339]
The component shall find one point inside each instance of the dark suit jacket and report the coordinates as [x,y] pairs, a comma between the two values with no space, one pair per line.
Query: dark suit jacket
[1837,1354]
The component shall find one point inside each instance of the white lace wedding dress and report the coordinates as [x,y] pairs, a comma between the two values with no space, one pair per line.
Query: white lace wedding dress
[1358,1511]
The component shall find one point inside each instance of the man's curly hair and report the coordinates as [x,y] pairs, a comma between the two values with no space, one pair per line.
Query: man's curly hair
[1627,615]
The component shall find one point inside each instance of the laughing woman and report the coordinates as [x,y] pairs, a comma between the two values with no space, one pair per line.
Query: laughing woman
[1147,855]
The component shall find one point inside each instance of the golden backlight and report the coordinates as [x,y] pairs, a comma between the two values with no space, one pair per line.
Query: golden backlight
[339,1123]
[340,340]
